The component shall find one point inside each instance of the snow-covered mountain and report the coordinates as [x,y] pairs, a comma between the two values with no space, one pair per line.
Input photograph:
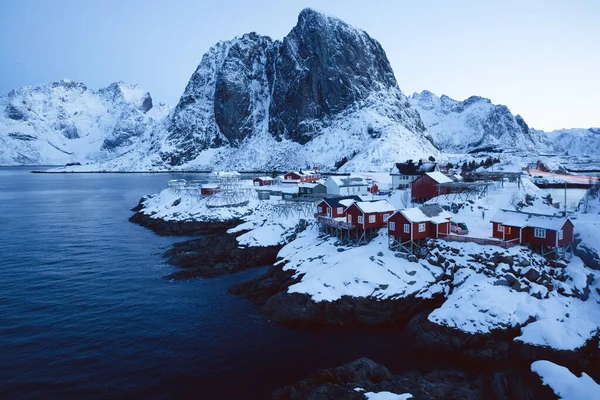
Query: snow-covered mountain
[325,95]
[575,141]
[64,121]
[472,125]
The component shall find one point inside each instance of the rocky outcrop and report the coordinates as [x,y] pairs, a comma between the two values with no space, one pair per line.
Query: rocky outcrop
[269,291]
[351,380]
[326,82]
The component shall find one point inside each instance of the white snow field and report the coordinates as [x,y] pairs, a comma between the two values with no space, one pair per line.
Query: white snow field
[565,384]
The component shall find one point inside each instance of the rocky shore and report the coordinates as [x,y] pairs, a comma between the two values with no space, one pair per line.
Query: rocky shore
[215,253]
[363,376]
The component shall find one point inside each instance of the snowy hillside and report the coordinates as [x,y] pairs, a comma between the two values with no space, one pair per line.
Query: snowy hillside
[472,125]
[574,141]
[65,121]
[325,96]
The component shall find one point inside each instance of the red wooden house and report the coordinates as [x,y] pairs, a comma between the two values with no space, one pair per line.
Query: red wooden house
[373,189]
[425,187]
[409,227]
[335,207]
[209,189]
[263,181]
[302,176]
[543,231]
[369,215]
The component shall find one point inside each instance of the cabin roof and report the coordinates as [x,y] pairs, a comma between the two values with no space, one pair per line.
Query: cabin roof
[337,201]
[411,168]
[429,212]
[522,220]
[439,177]
[264,178]
[349,180]
[377,206]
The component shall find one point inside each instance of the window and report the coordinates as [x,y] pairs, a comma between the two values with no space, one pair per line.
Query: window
[386,217]
[508,230]
[392,226]
[406,228]
[560,235]
[422,227]
[319,210]
[372,219]
[349,218]
[539,233]
[500,228]
[360,219]
[340,210]
[328,212]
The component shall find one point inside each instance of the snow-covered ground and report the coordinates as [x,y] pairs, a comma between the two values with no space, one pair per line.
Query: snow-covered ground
[564,383]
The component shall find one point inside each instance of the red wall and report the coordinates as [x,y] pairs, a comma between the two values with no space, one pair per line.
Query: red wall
[291,176]
[424,187]
[355,212]
[324,206]
[567,234]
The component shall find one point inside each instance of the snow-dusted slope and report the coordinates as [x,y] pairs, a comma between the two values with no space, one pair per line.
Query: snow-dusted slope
[474,124]
[65,121]
[325,96]
[574,141]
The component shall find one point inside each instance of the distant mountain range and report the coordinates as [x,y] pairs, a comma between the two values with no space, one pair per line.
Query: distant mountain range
[323,96]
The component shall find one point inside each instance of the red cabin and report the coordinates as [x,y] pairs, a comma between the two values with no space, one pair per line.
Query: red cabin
[302,176]
[425,187]
[373,189]
[535,229]
[369,214]
[335,207]
[263,181]
[207,190]
[418,223]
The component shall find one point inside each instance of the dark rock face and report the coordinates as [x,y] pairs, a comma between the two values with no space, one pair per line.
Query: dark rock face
[181,228]
[368,376]
[288,89]
[323,66]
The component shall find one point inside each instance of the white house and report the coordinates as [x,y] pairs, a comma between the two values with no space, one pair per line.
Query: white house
[347,185]
[404,173]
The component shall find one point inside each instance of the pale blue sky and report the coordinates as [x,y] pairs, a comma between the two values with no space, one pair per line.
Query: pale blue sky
[540,58]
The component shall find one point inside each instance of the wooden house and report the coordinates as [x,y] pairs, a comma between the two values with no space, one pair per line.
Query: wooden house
[314,188]
[301,176]
[347,185]
[425,187]
[209,189]
[373,189]
[263,181]
[335,207]
[404,173]
[369,215]
[546,232]
[408,228]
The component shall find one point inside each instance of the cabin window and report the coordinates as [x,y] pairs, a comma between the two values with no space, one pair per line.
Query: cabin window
[422,227]
[386,217]
[539,233]
[371,219]
[350,218]
[508,230]
[360,219]
[500,228]
[319,210]
[406,228]
[340,210]
[560,235]
[392,226]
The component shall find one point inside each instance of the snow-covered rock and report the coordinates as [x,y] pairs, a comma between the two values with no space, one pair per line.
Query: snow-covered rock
[564,383]
[325,95]
[65,121]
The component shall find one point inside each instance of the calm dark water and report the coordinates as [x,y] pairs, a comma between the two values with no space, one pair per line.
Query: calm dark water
[85,311]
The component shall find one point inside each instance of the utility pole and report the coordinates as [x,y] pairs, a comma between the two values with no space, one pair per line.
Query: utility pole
[565,207]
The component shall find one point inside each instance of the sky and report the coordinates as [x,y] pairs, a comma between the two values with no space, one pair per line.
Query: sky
[540,58]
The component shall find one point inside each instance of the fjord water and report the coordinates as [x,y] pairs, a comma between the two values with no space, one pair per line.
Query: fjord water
[86,313]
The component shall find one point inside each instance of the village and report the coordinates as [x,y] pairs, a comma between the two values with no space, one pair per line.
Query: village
[413,205]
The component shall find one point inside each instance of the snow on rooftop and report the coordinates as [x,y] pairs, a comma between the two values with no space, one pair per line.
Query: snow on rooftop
[349,180]
[433,213]
[377,206]
[439,177]
[521,220]
[564,383]
[264,178]
[347,202]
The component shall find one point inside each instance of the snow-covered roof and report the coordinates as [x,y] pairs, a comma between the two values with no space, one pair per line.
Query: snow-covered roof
[438,177]
[429,212]
[210,186]
[309,184]
[349,180]
[410,168]
[347,202]
[522,220]
[377,206]
[293,189]
[264,178]
[337,201]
